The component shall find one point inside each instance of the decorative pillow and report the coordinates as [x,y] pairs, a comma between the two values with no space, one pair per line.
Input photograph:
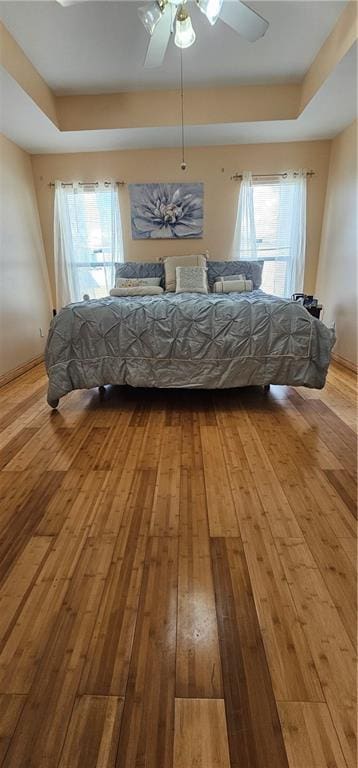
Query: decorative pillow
[139,269]
[191,279]
[230,277]
[232,286]
[172,262]
[133,282]
[251,269]
[137,290]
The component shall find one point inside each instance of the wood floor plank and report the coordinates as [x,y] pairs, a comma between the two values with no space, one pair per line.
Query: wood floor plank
[332,431]
[200,739]
[278,511]
[22,526]
[234,453]
[349,545]
[86,457]
[47,442]
[147,731]
[119,478]
[255,738]
[221,508]
[15,489]
[317,450]
[14,413]
[191,449]
[22,649]
[108,657]
[29,418]
[15,445]
[52,695]
[198,664]
[149,454]
[309,735]
[93,733]
[14,589]
[11,707]
[293,673]
[116,439]
[344,484]
[320,515]
[331,649]
[165,517]
[326,549]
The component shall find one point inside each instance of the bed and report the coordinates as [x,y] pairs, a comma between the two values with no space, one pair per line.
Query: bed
[186,340]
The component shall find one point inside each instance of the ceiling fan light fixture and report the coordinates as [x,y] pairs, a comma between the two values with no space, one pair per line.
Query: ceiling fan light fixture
[150,15]
[184,32]
[211,9]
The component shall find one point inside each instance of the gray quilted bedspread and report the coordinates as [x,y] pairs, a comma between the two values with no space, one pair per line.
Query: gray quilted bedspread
[186,340]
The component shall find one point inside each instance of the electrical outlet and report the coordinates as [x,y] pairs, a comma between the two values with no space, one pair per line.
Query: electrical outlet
[41,333]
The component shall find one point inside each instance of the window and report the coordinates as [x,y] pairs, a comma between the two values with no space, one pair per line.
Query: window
[272,224]
[88,240]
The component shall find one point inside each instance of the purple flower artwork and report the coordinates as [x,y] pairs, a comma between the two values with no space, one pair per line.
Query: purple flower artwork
[166,211]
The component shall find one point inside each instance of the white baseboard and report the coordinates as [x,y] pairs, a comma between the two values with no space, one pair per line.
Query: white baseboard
[344,362]
[15,372]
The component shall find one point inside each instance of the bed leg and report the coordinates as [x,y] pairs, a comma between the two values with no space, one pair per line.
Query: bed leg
[101,391]
[266,388]
[53,403]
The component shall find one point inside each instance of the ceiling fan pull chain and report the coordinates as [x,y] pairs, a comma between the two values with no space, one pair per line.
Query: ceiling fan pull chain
[183,163]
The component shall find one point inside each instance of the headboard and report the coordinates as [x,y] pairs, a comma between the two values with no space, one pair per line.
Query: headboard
[251,269]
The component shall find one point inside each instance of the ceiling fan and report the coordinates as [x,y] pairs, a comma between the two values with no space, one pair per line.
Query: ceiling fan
[160,16]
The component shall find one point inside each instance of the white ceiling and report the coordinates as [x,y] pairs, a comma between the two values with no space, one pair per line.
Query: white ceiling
[332,109]
[100,46]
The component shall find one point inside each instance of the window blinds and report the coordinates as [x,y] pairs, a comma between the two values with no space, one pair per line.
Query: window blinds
[272,211]
[89,240]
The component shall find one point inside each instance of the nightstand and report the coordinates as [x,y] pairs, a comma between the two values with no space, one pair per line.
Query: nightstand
[315,310]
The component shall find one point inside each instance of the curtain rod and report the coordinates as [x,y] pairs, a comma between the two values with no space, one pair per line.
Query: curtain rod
[238,176]
[88,183]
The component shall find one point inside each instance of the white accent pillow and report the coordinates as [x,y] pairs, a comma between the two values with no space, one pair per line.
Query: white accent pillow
[232,286]
[137,290]
[131,282]
[172,262]
[191,280]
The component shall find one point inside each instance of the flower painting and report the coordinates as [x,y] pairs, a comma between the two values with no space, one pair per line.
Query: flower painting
[166,211]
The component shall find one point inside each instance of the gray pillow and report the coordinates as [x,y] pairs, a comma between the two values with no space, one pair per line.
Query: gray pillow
[140,269]
[191,280]
[251,269]
[137,290]
[230,277]
[130,282]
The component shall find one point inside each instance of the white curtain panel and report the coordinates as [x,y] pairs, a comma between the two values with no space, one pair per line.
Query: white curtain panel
[244,246]
[65,279]
[85,218]
[297,184]
[290,224]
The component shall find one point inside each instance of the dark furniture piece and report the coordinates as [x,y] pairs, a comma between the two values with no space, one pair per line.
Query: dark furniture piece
[314,310]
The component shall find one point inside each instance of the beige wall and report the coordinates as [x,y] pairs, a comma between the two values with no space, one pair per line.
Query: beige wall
[24,294]
[13,59]
[213,166]
[336,283]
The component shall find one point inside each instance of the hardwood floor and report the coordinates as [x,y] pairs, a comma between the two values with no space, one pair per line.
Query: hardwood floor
[177,577]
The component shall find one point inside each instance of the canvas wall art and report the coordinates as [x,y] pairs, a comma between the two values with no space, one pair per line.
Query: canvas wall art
[166,211]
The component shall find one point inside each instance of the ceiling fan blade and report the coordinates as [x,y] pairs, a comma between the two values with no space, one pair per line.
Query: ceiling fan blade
[243,20]
[159,41]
